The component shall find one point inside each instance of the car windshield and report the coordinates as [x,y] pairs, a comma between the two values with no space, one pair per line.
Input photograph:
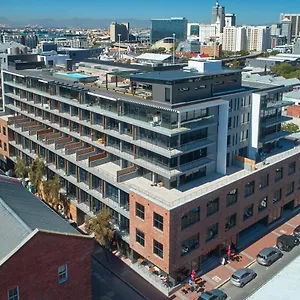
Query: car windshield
[235,277]
[260,256]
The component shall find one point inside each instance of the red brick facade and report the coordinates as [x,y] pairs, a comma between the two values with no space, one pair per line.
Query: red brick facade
[4,138]
[293,111]
[34,268]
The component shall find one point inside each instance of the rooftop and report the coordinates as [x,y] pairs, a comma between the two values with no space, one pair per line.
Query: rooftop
[293,95]
[22,214]
[154,56]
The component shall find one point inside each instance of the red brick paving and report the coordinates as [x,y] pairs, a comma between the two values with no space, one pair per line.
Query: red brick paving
[284,229]
[244,261]
[295,221]
[219,274]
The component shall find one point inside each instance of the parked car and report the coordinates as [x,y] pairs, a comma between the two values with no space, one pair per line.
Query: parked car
[214,294]
[242,276]
[287,242]
[268,255]
[296,232]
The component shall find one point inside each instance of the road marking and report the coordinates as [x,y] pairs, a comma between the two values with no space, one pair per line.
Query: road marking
[216,279]
[290,224]
[246,254]
[282,231]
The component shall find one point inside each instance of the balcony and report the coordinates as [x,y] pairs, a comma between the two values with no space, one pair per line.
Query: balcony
[273,121]
[276,104]
[273,137]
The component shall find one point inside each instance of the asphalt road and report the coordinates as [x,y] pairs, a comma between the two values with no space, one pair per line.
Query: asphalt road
[264,274]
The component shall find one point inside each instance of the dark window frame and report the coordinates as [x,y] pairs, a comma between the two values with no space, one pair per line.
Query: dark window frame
[140,211]
[140,237]
[159,224]
[158,249]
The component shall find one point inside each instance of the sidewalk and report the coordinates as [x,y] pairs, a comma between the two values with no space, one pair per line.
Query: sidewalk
[221,275]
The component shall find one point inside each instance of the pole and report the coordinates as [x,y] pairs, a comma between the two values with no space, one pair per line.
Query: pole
[215,43]
[174,48]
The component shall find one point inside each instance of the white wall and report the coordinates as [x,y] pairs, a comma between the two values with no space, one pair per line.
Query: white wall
[254,132]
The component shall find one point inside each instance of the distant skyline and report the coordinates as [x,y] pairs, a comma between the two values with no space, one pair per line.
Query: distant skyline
[249,12]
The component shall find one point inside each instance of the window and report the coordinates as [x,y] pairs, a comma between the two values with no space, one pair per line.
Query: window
[249,188]
[158,249]
[13,294]
[212,232]
[140,210]
[264,181]
[248,212]
[158,221]
[190,244]
[190,217]
[278,174]
[62,274]
[277,196]
[212,207]
[229,122]
[5,147]
[230,222]
[292,168]
[232,197]
[4,130]
[0,144]
[228,140]
[140,237]
[263,204]
[184,89]
[167,94]
[290,188]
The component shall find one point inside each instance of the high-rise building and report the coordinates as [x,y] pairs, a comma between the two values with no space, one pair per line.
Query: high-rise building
[218,12]
[193,29]
[234,39]
[258,38]
[117,29]
[207,31]
[176,158]
[286,29]
[296,48]
[161,28]
[275,29]
[295,26]
[230,20]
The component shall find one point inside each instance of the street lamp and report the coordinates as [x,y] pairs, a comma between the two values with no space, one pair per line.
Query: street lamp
[119,35]
[174,35]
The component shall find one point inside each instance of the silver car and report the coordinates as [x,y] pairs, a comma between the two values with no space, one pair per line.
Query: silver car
[268,255]
[242,276]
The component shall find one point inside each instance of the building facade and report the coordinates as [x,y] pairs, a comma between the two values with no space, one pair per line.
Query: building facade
[234,39]
[161,28]
[117,30]
[286,30]
[218,14]
[295,26]
[230,20]
[177,160]
[258,38]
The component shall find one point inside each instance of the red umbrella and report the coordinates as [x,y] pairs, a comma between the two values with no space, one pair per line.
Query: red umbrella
[229,251]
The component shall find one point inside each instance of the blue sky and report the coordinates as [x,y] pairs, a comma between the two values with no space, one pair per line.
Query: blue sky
[248,12]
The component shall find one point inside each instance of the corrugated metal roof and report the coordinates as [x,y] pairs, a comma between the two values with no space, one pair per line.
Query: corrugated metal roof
[154,56]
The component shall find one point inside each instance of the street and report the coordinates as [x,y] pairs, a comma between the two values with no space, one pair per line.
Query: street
[264,274]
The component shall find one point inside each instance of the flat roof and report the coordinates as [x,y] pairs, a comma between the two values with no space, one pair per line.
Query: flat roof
[284,285]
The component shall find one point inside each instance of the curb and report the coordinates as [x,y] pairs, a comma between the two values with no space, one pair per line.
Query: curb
[130,285]
[228,279]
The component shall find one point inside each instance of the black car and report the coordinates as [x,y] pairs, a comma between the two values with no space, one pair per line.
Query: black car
[296,232]
[287,242]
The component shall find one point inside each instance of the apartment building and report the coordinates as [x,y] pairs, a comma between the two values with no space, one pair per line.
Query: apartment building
[175,155]
[234,38]
[259,38]
[295,26]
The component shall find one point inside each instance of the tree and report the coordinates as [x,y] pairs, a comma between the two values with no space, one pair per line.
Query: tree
[21,169]
[235,64]
[51,189]
[36,172]
[290,127]
[100,226]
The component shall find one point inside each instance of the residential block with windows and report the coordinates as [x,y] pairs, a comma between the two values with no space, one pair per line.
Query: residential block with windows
[186,160]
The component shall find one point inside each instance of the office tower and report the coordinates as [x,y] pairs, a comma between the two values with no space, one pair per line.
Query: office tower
[286,29]
[258,38]
[275,29]
[230,20]
[296,47]
[234,39]
[295,27]
[218,11]
[159,155]
[207,31]
[117,29]
[161,28]
[193,29]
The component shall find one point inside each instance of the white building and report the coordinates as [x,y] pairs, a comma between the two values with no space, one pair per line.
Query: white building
[234,39]
[230,20]
[207,31]
[258,38]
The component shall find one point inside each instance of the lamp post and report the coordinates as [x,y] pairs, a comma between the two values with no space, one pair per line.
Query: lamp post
[119,35]
[174,35]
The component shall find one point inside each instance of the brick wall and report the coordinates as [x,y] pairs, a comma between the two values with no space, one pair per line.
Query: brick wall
[293,111]
[3,138]
[34,268]
[151,232]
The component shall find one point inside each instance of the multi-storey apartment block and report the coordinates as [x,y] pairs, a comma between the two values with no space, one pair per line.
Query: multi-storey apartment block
[185,159]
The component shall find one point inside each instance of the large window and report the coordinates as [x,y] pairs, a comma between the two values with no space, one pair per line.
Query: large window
[264,181]
[277,195]
[13,294]
[230,222]
[212,232]
[140,237]
[278,174]
[62,274]
[158,221]
[263,204]
[190,244]
[140,210]
[290,188]
[190,217]
[248,212]
[212,207]
[158,248]
[249,188]
[232,197]
[292,168]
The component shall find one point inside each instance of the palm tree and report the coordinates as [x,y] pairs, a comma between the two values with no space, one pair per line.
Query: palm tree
[100,227]
[21,169]
[51,190]
[36,172]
